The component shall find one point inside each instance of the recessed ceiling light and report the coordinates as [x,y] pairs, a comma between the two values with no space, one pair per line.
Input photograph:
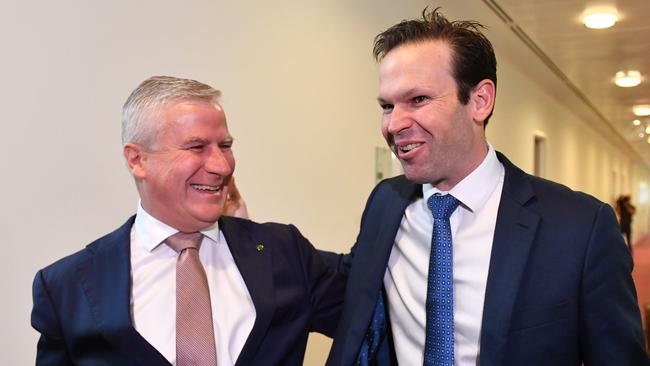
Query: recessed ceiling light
[636,122]
[599,18]
[647,130]
[648,140]
[641,110]
[641,134]
[627,79]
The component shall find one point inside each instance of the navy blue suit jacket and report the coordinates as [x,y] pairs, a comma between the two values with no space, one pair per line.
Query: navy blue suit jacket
[81,303]
[559,289]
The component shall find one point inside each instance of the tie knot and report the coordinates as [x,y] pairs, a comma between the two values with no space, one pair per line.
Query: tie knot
[442,206]
[181,240]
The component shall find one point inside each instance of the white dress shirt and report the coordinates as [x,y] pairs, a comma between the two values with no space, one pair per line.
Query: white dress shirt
[472,227]
[153,292]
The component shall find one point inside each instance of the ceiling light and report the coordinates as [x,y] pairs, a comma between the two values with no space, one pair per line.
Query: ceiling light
[641,134]
[648,140]
[647,130]
[599,18]
[641,110]
[627,79]
[636,122]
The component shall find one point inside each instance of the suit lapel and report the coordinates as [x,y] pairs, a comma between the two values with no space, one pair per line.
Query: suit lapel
[371,264]
[514,235]
[375,263]
[255,266]
[105,277]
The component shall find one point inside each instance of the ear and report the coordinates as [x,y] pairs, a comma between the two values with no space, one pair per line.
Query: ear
[133,154]
[482,99]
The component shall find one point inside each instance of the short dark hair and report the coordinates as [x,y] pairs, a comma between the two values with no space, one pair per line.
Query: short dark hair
[472,56]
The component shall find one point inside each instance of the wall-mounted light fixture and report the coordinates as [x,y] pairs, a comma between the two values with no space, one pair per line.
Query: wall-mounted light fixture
[627,79]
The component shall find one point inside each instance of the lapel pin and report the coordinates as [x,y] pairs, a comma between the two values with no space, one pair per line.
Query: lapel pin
[260,247]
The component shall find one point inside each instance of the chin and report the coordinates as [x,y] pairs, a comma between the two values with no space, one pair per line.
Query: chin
[211,218]
[208,216]
[415,177]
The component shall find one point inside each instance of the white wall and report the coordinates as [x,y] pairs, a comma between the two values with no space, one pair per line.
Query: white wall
[299,85]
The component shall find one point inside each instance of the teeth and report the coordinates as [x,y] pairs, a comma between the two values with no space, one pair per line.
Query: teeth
[202,187]
[408,147]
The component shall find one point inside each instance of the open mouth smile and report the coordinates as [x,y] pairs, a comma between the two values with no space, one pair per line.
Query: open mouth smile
[407,148]
[207,188]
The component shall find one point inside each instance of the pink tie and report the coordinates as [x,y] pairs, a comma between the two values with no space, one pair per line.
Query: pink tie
[194,332]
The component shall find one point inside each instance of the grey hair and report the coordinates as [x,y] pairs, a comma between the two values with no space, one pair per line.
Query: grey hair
[152,94]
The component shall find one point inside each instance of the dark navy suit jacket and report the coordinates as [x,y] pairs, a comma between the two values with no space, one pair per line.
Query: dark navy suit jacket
[81,303]
[559,289]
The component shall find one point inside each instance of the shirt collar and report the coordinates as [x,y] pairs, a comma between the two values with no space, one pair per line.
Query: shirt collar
[151,232]
[475,189]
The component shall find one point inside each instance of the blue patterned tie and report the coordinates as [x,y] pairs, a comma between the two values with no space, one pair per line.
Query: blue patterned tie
[439,341]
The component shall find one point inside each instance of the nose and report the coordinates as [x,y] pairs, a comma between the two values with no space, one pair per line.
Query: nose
[220,162]
[398,120]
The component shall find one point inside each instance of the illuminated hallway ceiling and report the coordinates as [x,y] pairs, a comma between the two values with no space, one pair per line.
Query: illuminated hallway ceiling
[588,59]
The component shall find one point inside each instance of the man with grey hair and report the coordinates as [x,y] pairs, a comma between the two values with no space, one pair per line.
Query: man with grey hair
[180,283]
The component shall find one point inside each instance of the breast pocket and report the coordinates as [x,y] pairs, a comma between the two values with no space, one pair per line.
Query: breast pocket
[546,335]
[538,317]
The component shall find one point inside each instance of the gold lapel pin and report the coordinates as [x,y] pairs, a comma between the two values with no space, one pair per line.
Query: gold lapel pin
[260,247]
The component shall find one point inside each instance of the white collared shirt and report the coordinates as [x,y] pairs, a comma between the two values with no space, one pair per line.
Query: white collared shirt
[472,227]
[153,292]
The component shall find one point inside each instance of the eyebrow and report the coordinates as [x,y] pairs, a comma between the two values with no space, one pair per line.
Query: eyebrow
[200,140]
[403,95]
[193,140]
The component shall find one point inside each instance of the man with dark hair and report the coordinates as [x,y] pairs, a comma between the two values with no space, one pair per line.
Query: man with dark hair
[466,259]
[179,283]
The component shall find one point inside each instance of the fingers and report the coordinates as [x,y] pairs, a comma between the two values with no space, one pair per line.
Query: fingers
[233,192]
[235,204]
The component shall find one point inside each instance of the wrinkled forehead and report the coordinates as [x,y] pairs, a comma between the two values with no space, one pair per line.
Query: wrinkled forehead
[176,113]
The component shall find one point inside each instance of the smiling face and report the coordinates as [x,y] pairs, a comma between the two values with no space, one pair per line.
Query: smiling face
[182,177]
[437,139]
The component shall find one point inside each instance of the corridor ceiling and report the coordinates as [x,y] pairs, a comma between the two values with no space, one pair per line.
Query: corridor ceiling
[588,59]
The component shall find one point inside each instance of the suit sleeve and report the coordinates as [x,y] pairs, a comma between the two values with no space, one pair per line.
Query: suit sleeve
[610,320]
[51,349]
[326,287]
